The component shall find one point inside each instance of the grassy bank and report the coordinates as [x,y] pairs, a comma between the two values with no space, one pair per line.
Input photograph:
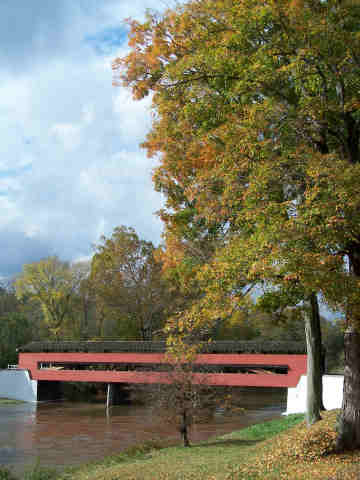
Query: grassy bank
[280,449]
[9,401]
[209,460]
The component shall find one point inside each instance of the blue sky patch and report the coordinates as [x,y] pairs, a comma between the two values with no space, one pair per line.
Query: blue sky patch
[107,40]
[14,172]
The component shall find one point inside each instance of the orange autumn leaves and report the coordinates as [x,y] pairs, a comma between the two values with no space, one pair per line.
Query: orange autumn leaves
[255,125]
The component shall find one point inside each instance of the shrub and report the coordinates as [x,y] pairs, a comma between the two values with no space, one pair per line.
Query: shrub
[6,474]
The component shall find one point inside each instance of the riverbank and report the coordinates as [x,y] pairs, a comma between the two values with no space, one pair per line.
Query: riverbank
[283,448]
[214,459]
[277,449]
[9,401]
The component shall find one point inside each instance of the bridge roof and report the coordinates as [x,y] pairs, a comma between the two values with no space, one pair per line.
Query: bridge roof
[114,346]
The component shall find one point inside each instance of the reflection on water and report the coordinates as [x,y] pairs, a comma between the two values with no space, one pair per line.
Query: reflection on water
[68,433]
[16,433]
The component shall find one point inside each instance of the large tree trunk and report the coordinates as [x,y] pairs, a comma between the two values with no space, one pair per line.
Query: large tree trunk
[314,402]
[85,324]
[349,421]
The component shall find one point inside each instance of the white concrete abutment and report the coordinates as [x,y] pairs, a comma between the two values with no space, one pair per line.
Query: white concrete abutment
[332,394]
[17,385]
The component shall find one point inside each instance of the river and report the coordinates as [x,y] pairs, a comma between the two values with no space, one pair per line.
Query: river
[70,433]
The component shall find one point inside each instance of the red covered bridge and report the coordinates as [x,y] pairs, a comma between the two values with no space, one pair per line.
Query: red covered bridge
[227,363]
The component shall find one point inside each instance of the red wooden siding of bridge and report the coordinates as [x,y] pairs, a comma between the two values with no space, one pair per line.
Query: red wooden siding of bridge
[296,367]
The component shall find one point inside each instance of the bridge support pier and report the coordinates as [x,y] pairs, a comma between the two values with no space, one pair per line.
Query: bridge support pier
[116,394]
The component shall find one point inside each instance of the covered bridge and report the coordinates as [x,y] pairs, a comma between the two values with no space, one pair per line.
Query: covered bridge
[226,363]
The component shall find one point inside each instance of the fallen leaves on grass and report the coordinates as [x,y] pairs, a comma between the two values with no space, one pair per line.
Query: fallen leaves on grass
[302,453]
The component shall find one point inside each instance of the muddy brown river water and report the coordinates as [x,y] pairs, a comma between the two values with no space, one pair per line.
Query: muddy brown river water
[67,433]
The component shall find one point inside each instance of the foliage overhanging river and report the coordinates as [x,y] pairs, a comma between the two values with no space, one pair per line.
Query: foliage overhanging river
[68,433]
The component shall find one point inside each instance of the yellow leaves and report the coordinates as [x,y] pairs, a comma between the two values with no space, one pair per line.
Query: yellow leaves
[317,442]
[52,283]
[244,100]
[301,453]
[173,254]
[291,277]
[179,350]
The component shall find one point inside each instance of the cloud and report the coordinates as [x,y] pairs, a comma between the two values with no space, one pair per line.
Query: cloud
[70,166]
[18,249]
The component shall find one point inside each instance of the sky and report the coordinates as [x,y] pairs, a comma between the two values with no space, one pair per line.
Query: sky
[71,169]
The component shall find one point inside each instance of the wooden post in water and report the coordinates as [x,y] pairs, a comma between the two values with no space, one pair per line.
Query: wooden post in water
[109,395]
[117,393]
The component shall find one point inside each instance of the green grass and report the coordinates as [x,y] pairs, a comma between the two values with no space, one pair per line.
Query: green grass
[6,474]
[34,473]
[214,459]
[9,401]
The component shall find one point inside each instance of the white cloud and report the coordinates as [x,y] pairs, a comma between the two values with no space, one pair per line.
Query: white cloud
[70,166]
[68,134]
[133,117]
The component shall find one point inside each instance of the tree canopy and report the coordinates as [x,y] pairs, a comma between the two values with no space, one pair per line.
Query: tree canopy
[257,123]
[127,282]
[50,283]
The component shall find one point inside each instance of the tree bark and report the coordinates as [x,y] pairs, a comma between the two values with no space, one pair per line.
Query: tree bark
[184,430]
[314,402]
[349,421]
[85,325]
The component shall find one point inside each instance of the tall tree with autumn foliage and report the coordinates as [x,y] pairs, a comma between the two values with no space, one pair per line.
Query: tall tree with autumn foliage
[258,125]
[127,282]
[197,132]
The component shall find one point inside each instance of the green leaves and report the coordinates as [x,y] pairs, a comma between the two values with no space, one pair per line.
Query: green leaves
[257,130]
[127,283]
[51,283]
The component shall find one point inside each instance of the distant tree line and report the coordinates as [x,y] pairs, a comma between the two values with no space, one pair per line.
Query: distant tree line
[124,292]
